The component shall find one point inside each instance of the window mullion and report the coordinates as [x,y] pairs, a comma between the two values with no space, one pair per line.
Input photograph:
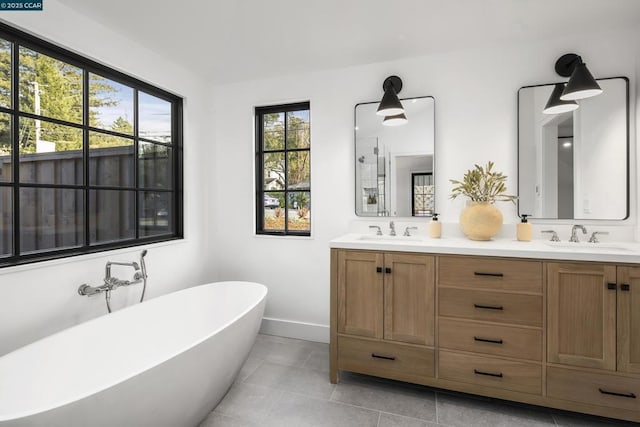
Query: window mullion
[260,174]
[85,156]
[286,176]
[136,180]
[15,153]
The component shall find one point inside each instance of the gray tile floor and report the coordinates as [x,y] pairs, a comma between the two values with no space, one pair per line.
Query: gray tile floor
[285,382]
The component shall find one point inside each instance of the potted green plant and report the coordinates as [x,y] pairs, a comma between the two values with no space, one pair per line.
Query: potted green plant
[480,219]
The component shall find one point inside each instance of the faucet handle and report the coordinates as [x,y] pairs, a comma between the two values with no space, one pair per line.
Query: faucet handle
[379,232]
[594,239]
[554,235]
[406,230]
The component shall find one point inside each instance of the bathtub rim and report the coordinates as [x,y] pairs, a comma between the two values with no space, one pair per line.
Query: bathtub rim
[15,416]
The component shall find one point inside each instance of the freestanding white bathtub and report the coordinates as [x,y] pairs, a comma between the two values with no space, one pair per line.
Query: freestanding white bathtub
[165,362]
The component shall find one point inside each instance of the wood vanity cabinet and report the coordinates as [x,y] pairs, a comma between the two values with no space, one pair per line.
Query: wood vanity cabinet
[628,320]
[557,334]
[385,313]
[490,317]
[582,315]
[594,316]
[594,323]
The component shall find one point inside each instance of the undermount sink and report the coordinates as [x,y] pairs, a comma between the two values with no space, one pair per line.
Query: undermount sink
[589,247]
[376,238]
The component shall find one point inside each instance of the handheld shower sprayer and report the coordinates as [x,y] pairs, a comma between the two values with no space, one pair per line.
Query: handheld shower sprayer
[143,270]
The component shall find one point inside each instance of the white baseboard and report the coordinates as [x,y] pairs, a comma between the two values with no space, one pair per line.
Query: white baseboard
[293,329]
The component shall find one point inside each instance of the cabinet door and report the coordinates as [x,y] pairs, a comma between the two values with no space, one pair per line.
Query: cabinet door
[409,314]
[582,315]
[629,320]
[360,278]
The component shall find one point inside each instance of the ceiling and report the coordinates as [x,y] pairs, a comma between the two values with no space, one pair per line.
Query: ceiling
[233,40]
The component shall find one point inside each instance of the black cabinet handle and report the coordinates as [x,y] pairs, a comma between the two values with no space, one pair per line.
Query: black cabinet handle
[613,393]
[488,374]
[498,341]
[379,356]
[480,273]
[624,287]
[488,307]
[378,269]
[611,286]
[387,270]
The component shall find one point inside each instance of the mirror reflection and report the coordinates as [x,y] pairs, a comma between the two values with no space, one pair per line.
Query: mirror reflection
[394,164]
[574,165]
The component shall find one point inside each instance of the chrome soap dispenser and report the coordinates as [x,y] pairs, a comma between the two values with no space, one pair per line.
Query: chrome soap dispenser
[435,227]
[524,230]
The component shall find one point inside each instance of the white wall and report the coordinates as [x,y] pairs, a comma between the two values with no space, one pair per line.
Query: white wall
[39,299]
[476,121]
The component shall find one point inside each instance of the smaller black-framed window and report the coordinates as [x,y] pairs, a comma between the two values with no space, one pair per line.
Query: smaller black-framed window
[283,169]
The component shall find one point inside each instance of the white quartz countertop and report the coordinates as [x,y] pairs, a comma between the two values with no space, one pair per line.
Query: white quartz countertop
[619,252]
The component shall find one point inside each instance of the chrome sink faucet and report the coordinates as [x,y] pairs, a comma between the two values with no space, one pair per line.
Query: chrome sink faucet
[574,235]
[392,226]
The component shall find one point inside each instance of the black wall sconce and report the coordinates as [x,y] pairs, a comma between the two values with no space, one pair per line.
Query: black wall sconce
[390,106]
[581,85]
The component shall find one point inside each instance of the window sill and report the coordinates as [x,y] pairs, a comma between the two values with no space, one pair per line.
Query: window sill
[284,236]
[19,268]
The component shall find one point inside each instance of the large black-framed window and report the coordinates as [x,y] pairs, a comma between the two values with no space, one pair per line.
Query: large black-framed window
[90,158]
[283,170]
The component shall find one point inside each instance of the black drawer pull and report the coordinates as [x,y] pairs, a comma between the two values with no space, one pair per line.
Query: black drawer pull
[379,356]
[488,340]
[611,286]
[378,269]
[489,374]
[480,273]
[387,270]
[613,393]
[624,287]
[488,307]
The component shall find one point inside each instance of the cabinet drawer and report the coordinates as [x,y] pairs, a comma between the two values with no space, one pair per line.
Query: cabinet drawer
[491,306]
[593,388]
[486,371]
[490,273]
[384,359]
[477,337]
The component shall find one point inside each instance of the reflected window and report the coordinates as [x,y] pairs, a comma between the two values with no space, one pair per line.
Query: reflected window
[422,200]
[99,155]
[283,170]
